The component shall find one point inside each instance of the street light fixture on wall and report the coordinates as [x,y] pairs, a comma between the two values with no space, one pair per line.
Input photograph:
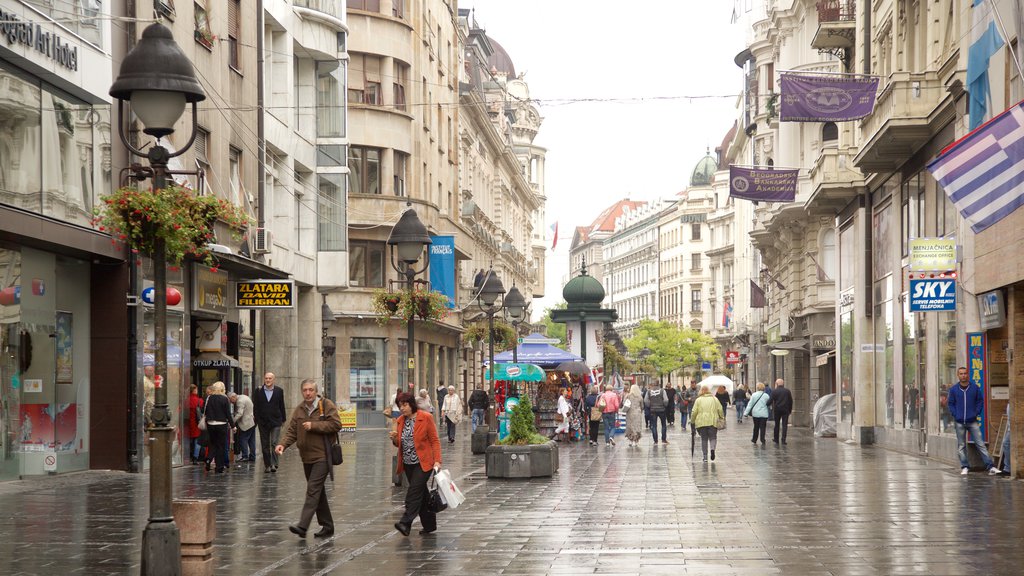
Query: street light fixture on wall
[159,80]
[487,301]
[408,239]
[515,306]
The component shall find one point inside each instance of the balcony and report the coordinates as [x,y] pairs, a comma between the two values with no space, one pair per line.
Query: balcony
[834,180]
[837,24]
[329,7]
[911,109]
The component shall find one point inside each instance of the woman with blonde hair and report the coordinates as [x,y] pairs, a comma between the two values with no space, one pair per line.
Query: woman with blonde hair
[218,419]
[452,412]
[423,401]
[634,405]
[707,410]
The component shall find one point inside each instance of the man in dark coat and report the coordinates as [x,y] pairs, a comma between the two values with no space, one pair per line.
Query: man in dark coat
[782,407]
[670,410]
[268,410]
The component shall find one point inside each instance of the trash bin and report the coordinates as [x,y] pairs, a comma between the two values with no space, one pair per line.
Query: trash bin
[481,439]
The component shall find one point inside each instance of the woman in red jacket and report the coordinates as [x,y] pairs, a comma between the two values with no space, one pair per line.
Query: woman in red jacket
[195,407]
[419,452]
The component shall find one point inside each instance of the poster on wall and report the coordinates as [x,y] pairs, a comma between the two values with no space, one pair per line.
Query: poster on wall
[64,348]
[45,427]
[976,370]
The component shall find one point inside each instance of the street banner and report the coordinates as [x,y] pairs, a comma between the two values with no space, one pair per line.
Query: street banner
[762,184]
[442,267]
[757,297]
[824,98]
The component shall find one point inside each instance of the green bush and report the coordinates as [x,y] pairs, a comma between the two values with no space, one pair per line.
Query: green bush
[522,429]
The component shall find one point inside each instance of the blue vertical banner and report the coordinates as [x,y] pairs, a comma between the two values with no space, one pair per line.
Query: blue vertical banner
[976,371]
[442,267]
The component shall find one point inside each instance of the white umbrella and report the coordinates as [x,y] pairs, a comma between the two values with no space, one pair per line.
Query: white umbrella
[716,380]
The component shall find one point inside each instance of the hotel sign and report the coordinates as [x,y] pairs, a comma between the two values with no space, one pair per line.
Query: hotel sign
[265,294]
[30,34]
[932,254]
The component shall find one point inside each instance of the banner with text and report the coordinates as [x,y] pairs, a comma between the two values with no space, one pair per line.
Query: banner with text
[762,184]
[442,267]
[823,98]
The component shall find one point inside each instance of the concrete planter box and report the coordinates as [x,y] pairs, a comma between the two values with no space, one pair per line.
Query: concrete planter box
[482,438]
[533,461]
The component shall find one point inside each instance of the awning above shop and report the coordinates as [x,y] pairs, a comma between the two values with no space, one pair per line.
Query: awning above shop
[213,360]
[248,268]
[800,344]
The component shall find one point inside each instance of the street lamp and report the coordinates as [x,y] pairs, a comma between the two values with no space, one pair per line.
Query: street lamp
[327,348]
[408,239]
[644,354]
[487,301]
[515,306]
[158,79]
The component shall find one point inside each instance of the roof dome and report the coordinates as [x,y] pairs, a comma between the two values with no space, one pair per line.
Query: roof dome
[704,172]
[583,290]
[500,60]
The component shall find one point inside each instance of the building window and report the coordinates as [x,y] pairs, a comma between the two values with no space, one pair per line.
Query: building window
[695,262]
[364,170]
[331,225]
[829,133]
[330,107]
[366,263]
[368,370]
[200,146]
[401,75]
[203,34]
[330,155]
[364,80]
[695,231]
[398,8]
[401,168]
[828,254]
[235,174]
[234,32]
[695,300]
[366,5]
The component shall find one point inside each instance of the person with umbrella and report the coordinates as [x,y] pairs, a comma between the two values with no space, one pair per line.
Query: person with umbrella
[707,411]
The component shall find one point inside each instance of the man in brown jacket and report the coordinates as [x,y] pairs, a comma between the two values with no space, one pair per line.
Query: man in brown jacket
[314,425]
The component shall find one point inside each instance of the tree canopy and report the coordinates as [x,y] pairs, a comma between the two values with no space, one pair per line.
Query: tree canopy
[554,329]
[671,348]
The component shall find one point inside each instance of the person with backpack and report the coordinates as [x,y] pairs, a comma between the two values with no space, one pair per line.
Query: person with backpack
[758,408]
[657,402]
[593,412]
[686,399]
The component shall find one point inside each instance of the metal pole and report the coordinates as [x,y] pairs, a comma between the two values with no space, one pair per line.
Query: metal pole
[490,341]
[411,368]
[161,544]
[515,345]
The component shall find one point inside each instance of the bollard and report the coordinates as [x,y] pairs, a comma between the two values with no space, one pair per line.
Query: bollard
[196,521]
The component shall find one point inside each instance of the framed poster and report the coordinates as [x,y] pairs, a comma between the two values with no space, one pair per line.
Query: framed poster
[65,348]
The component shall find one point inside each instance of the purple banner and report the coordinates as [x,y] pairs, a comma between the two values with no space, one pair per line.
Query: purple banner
[762,184]
[826,98]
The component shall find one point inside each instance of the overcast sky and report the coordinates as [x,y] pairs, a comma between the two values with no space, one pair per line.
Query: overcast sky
[667,65]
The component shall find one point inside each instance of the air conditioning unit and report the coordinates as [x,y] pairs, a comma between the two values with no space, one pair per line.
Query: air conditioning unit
[261,241]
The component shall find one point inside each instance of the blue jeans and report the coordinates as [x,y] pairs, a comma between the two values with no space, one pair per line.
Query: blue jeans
[479,416]
[739,410]
[247,441]
[655,417]
[1006,451]
[961,443]
[609,426]
[683,413]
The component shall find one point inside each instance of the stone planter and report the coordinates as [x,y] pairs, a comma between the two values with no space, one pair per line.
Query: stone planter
[482,438]
[532,461]
[197,524]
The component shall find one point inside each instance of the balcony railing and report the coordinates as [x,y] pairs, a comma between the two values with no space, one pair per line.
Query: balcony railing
[837,10]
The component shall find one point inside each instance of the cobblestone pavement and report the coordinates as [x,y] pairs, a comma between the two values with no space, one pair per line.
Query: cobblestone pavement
[815,506]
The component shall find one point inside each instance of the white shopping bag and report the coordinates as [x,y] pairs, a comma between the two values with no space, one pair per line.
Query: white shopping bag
[449,491]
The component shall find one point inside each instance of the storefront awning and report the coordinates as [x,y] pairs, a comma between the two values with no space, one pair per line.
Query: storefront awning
[213,360]
[789,345]
[248,268]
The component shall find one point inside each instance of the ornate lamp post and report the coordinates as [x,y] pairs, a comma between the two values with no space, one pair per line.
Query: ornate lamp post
[327,348]
[515,306]
[158,79]
[487,301]
[408,239]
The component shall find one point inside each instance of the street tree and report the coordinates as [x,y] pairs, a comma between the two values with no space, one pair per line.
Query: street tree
[671,348]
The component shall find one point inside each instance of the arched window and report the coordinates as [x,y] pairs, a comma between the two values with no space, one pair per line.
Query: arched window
[829,133]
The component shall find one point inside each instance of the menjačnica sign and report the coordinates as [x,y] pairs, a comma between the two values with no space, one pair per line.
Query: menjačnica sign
[265,294]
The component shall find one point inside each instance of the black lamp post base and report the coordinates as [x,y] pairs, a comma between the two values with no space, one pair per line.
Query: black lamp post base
[161,549]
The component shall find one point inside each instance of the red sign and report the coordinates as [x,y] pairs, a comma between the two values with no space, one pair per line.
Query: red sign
[158,382]
[732,357]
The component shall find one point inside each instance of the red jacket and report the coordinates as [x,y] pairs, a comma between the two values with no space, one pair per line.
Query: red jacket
[194,401]
[424,436]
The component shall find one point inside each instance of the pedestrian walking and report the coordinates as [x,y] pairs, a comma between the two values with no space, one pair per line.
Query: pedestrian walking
[441,392]
[218,419]
[270,415]
[782,407]
[687,398]
[758,408]
[452,412]
[657,403]
[723,397]
[965,401]
[593,413]
[423,401]
[313,427]
[478,404]
[705,414]
[195,413]
[245,424]
[419,452]
[739,400]
[633,404]
[561,433]
[670,408]
[609,404]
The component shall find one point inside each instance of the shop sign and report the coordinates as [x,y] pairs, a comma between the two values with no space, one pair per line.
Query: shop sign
[933,295]
[705,365]
[348,418]
[210,290]
[265,294]
[992,310]
[821,360]
[732,357]
[932,254]
[30,34]
[823,342]
[976,367]
[773,335]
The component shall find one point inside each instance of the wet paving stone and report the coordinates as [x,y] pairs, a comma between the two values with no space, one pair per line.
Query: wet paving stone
[812,507]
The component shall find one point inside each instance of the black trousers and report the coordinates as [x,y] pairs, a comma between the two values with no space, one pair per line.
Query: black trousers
[219,444]
[416,498]
[269,437]
[783,421]
[760,425]
[655,417]
[594,425]
[670,413]
[451,429]
[316,496]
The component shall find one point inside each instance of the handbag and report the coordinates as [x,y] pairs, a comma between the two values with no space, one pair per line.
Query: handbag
[627,403]
[595,414]
[451,494]
[435,502]
[720,423]
[202,423]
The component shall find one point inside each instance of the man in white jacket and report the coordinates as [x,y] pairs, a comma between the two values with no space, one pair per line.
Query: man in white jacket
[245,423]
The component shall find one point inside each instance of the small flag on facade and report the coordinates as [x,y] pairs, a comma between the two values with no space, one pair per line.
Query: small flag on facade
[985,43]
[762,184]
[727,313]
[983,172]
[825,98]
[757,299]
[554,235]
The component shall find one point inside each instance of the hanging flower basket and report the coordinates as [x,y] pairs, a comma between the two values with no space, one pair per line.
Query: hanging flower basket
[406,305]
[176,215]
[504,335]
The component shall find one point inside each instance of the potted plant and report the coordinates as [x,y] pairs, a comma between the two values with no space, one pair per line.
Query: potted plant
[183,220]
[385,304]
[523,453]
[407,305]
[504,335]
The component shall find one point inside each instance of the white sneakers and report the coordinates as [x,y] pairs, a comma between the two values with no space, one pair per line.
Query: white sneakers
[993,471]
[963,471]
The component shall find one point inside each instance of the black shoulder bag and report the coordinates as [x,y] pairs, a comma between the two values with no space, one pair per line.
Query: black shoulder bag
[332,451]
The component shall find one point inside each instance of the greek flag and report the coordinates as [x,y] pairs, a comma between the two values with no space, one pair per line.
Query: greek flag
[983,172]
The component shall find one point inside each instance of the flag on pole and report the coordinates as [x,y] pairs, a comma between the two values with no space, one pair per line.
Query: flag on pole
[554,235]
[757,298]
[983,172]
[985,42]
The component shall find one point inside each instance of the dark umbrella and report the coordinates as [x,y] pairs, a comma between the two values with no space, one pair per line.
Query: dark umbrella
[693,438]
[574,367]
